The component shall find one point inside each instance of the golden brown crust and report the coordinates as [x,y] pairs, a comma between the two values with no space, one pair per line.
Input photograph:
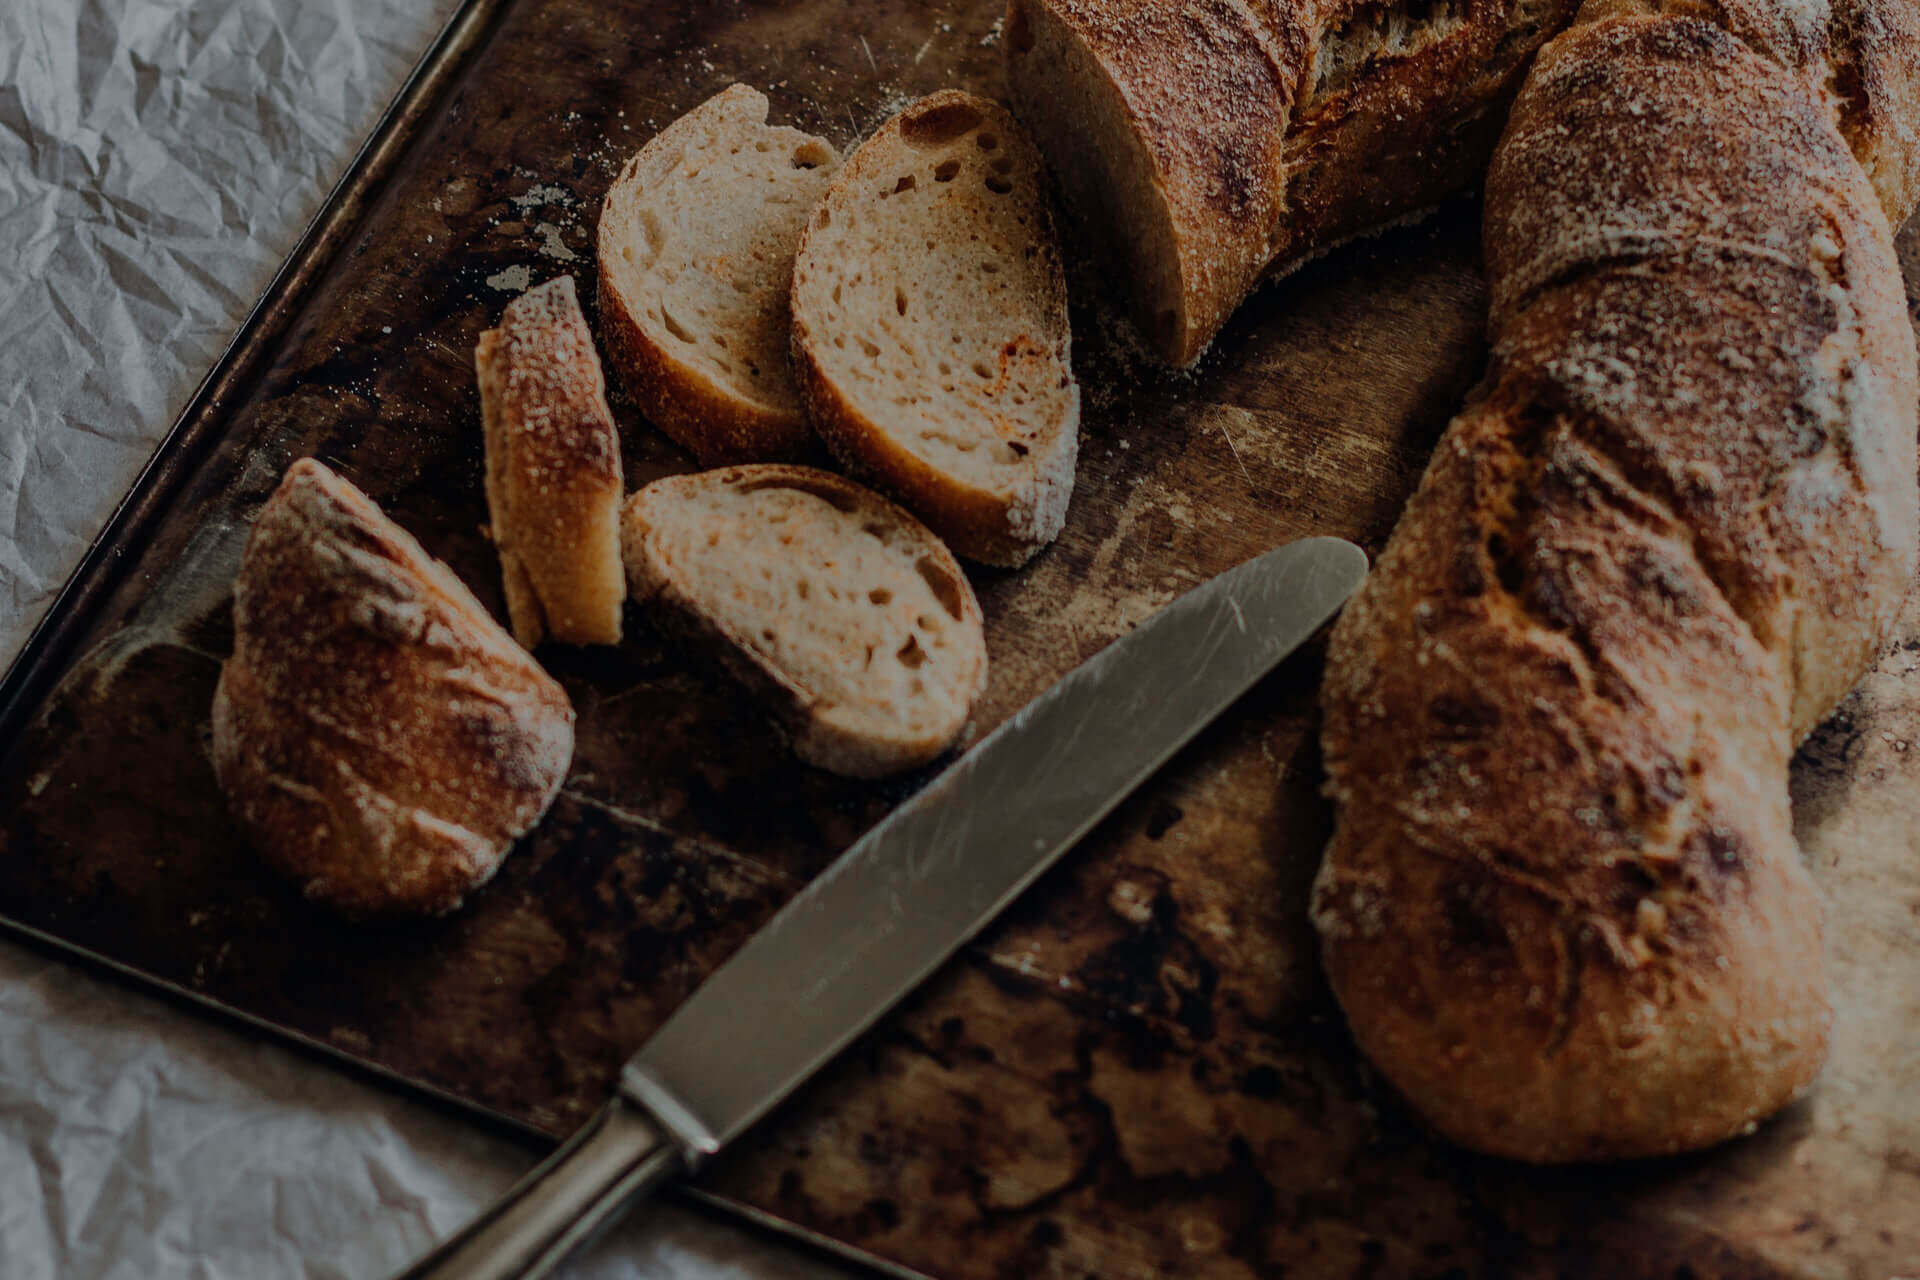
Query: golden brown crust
[1862,57]
[1213,144]
[553,470]
[380,739]
[1563,906]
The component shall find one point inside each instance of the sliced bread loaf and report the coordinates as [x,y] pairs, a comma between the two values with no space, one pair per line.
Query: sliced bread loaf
[836,607]
[696,255]
[553,470]
[930,329]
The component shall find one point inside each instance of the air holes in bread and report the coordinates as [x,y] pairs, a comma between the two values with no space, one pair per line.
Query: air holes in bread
[998,185]
[911,655]
[872,350]
[674,327]
[905,184]
[939,124]
[826,493]
[950,593]
[986,142]
[880,595]
[900,300]
[811,154]
[945,170]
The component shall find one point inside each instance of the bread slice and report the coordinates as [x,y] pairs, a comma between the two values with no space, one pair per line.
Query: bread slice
[836,607]
[553,470]
[696,254]
[930,329]
[379,737]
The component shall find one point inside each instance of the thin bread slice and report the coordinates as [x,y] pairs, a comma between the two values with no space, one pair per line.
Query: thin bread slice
[553,470]
[696,257]
[930,331]
[838,609]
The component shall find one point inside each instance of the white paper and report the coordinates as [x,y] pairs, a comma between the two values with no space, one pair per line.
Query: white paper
[158,158]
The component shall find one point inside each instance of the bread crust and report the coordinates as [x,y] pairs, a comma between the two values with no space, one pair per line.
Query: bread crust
[380,739]
[1563,906]
[817,731]
[1004,525]
[554,480]
[717,424]
[1212,145]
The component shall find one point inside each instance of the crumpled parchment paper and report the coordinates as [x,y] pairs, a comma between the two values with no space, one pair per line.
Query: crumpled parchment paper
[158,158]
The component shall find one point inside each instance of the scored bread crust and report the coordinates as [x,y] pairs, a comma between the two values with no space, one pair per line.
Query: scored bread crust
[553,470]
[766,570]
[380,739]
[1210,144]
[1022,423]
[1563,907]
[680,385]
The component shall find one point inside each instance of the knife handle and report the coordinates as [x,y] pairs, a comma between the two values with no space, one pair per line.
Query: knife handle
[616,1158]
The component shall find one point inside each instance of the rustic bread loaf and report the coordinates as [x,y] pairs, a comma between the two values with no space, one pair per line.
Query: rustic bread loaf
[696,238]
[1209,145]
[1563,906]
[553,470]
[380,739]
[837,608]
[930,328]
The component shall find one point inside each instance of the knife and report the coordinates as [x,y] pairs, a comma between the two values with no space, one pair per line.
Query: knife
[875,924]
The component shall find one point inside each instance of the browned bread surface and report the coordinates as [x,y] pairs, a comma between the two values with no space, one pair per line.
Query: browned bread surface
[930,331]
[1211,144]
[553,470]
[696,244]
[380,739]
[839,610]
[1563,907]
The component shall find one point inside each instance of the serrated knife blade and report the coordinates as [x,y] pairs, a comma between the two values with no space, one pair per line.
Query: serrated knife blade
[906,896]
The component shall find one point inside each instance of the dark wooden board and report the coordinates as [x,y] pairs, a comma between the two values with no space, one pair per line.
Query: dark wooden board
[1139,1071]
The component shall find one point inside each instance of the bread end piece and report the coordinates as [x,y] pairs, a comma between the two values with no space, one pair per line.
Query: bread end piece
[554,480]
[839,612]
[380,739]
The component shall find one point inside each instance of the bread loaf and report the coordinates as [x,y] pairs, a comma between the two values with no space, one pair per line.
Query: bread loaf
[697,237]
[1563,906]
[379,738]
[1207,145]
[835,607]
[553,470]
[930,329]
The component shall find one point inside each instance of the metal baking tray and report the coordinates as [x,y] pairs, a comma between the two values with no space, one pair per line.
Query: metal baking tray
[1138,1071]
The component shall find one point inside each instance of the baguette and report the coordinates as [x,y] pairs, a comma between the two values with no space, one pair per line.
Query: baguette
[553,470]
[1563,906]
[380,739]
[1210,145]
[697,237]
[835,607]
[930,330]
